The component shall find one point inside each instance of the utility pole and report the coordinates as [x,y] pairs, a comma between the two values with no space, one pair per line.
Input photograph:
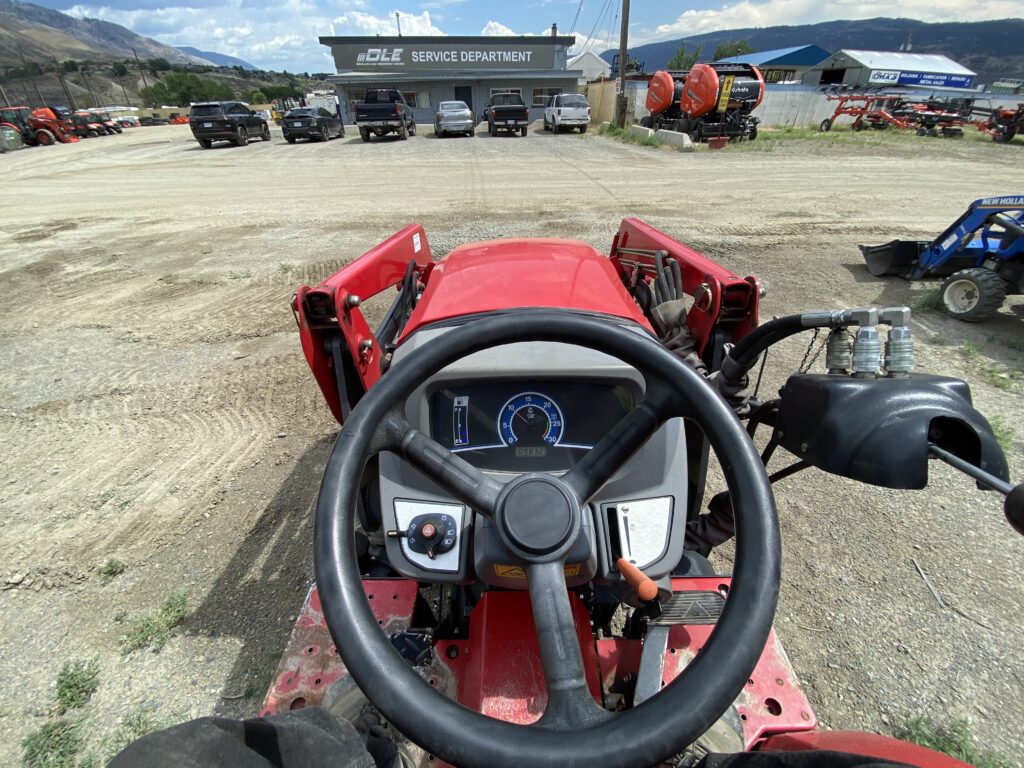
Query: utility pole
[64,85]
[35,85]
[620,102]
[120,81]
[398,21]
[144,83]
[88,84]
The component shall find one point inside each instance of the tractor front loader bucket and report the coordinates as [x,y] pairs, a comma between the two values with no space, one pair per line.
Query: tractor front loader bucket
[894,258]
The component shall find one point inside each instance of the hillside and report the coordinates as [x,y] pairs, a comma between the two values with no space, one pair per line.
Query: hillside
[43,35]
[990,48]
[219,59]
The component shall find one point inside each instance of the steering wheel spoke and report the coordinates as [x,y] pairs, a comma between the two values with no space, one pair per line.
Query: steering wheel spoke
[614,449]
[457,476]
[570,704]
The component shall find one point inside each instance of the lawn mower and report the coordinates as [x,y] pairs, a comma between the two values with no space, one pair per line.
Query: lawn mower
[503,540]
[982,253]
[705,101]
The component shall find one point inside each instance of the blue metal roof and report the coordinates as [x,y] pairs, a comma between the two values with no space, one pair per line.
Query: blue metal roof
[798,56]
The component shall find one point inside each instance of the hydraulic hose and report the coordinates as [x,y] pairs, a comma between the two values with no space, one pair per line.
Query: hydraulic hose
[745,353]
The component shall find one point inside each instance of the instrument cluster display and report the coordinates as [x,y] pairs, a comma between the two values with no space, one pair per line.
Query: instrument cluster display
[530,425]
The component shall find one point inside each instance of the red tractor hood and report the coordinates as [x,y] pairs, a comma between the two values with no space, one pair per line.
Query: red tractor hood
[507,274]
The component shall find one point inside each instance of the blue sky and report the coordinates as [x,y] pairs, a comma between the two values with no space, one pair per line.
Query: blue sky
[282,34]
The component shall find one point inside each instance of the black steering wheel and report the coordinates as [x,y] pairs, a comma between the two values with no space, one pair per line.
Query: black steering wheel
[538,517]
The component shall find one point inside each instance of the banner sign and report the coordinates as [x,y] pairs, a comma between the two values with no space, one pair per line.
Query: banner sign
[937,81]
[419,57]
[895,77]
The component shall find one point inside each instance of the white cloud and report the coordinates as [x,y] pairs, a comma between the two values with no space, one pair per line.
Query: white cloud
[361,23]
[791,12]
[496,29]
[282,35]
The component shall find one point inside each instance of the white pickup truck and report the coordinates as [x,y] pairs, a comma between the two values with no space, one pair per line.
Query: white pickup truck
[567,110]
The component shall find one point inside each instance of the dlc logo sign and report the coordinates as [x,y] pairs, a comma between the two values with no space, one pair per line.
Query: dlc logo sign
[374,57]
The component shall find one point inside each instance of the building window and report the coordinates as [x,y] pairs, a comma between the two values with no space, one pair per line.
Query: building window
[780,75]
[506,90]
[541,96]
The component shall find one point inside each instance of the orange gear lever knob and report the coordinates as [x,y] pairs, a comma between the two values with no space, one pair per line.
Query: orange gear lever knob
[638,581]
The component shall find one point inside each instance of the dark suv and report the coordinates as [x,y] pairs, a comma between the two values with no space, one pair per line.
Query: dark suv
[226,121]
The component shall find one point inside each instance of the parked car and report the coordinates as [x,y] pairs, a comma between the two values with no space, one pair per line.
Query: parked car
[226,121]
[567,110]
[108,123]
[127,121]
[383,111]
[454,117]
[87,125]
[506,112]
[311,123]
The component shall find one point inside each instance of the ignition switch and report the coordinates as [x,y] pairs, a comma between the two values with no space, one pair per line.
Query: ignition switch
[431,535]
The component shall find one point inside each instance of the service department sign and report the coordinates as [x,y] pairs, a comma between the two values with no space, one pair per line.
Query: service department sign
[419,57]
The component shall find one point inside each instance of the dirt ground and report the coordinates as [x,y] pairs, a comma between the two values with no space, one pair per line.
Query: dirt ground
[156,407]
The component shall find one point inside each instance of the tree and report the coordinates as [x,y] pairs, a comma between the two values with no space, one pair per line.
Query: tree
[684,60]
[257,97]
[733,48]
[159,64]
[155,95]
[70,66]
[120,70]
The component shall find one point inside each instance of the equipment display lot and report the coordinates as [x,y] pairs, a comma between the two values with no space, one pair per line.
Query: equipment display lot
[158,410]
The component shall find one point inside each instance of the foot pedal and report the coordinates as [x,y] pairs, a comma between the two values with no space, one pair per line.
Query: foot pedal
[691,608]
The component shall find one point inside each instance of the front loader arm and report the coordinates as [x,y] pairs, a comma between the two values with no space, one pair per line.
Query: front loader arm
[336,339]
[721,298]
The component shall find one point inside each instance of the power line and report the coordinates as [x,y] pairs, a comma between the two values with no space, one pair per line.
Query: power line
[600,17]
[575,18]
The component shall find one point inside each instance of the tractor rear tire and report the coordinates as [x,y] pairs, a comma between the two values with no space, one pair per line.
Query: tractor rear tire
[45,138]
[972,295]
[826,125]
[1004,135]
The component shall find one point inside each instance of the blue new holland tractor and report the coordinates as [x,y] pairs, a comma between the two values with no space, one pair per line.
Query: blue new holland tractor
[981,256]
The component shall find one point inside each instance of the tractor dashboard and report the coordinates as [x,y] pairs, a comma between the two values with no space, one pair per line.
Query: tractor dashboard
[532,407]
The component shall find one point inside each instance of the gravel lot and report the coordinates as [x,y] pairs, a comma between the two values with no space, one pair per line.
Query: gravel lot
[157,408]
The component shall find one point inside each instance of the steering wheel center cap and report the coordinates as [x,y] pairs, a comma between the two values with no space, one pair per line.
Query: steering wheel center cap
[538,516]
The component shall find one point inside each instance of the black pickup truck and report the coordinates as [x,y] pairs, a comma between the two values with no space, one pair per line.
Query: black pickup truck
[506,112]
[383,111]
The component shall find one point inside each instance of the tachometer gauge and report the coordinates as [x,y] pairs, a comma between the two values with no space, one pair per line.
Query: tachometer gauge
[530,419]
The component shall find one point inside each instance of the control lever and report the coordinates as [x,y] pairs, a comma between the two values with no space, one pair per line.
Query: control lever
[638,581]
[1013,504]
[652,657]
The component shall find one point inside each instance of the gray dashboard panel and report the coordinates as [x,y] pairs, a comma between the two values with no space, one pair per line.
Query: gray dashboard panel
[658,470]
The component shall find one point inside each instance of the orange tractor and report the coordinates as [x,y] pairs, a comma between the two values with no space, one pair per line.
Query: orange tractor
[38,126]
[708,100]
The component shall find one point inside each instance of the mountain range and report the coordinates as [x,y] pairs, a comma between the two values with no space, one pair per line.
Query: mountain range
[31,33]
[219,59]
[991,48]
